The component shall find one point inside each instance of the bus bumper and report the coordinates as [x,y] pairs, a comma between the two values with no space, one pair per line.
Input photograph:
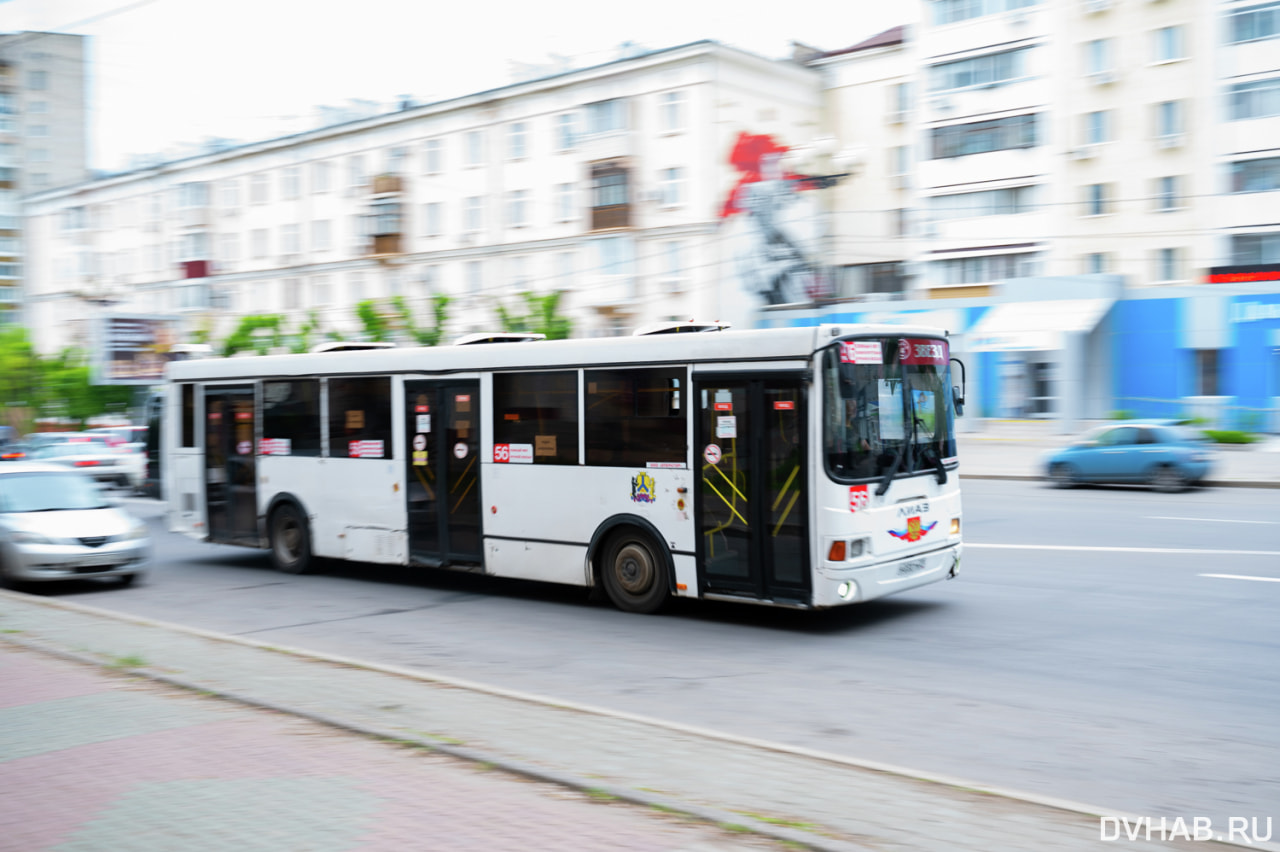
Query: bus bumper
[839,586]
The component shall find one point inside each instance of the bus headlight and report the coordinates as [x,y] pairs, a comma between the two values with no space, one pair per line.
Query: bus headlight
[847,590]
[955,526]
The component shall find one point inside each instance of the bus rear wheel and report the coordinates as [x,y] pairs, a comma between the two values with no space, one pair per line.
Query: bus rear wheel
[290,540]
[634,574]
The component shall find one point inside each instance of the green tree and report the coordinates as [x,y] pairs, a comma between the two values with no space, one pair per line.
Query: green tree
[385,319]
[67,390]
[244,337]
[541,316]
[20,378]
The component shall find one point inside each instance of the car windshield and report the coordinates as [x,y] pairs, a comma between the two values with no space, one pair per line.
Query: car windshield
[66,450]
[48,492]
[887,407]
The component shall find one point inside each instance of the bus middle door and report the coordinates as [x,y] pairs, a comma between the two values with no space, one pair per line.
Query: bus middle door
[231,476]
[752,499]
[443,476]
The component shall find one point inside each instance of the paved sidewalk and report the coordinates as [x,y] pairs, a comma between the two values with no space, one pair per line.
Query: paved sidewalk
[1012,449]
[92,763]
[98,761]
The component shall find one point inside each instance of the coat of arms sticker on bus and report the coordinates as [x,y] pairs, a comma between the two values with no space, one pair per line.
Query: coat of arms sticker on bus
[643,488]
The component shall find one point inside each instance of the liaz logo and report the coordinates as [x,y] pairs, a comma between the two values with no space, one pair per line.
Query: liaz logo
[914,530]
[642,488]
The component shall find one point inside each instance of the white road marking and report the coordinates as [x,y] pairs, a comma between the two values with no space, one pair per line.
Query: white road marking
[1243,577]
[1211,520]
[1084,549]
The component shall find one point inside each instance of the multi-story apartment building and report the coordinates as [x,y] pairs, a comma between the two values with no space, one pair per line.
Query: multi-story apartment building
[42,136]
[1082,189]
[606,183]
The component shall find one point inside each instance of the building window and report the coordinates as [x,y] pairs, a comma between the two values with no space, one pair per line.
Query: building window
[434,156]
[321,235]
[258,241]
[321,176]
[1262,175]
[518,208]
[1096,263]
[475,277]
[193,195]
[671,111]
[566,131]
[37,81]
[258,188]
[1168,119]
[517,274]
[1097,56]
[1167,44]
[616,257]
[355,287]
[1256,99]
[990,202]
[1097,127]
[357,177]
[1255,22]
[1167,195]
[1167,265]
[473,214]
[290,240]
[321,293]
[1207,372]
[951,11]
[564,202]
[671,187]
[37,130]
[291,418]
[634,417]
[992,69]
[231,194]
[1255,249]
[610,199]
[978,137]
[988,268]
[396,156]
[518,141]
[1097,199]
[432,218]
[475,147]
[292,299]
[564,270]
[230,249]
[673,265]
[290,183]
[360,418]
[537,412]
[607,116]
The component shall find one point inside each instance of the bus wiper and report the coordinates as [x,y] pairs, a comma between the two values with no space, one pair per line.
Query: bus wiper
[893,470]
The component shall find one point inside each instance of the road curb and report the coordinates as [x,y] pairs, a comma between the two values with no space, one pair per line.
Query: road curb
[539,773]
[1208,483]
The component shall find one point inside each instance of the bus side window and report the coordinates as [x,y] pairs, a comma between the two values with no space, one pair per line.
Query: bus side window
[188,415]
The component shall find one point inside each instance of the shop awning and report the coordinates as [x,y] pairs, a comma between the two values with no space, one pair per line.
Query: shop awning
[1019,326]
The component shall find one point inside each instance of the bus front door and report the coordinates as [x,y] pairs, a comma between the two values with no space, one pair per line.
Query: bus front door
[752,505]
[443,471]
[230,475]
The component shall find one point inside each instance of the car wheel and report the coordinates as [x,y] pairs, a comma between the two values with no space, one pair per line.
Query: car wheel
[290,540]
[127,580]
[1168,479]
[1063,476]
[634,573]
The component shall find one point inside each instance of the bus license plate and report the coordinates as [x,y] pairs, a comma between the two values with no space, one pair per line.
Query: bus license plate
[910,567]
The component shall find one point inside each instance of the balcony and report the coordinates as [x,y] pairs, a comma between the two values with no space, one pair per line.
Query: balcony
[388,185]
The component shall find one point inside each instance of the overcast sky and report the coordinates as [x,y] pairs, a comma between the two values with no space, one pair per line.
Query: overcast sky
[171,71]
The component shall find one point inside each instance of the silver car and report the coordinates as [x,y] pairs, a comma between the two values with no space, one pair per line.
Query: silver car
[55,524]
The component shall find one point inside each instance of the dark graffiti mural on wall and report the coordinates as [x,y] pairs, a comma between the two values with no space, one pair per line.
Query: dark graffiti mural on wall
[773,227]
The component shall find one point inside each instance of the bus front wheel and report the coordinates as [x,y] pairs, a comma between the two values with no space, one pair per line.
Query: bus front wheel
[633,573]
[290,540]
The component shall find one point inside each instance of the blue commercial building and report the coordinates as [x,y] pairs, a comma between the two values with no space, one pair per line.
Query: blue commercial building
[1088,348]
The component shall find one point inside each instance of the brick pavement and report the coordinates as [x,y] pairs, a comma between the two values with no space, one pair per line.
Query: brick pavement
[92,761]
[805,798]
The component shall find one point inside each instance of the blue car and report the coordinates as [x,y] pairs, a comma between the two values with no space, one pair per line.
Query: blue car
[1166,455]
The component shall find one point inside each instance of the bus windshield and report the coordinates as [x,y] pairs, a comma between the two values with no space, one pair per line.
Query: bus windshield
[887,408]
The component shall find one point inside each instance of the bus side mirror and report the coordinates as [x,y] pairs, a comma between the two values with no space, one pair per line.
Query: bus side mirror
[957,391]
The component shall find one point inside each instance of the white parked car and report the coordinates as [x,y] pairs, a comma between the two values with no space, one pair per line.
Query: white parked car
[56,524]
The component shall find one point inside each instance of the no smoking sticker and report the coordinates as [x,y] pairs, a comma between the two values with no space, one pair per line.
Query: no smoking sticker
[712,454]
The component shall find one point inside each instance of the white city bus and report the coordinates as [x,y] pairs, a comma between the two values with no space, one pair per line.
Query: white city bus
[804,467]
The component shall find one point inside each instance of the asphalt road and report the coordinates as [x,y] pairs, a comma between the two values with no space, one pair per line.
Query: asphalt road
[1101,645]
